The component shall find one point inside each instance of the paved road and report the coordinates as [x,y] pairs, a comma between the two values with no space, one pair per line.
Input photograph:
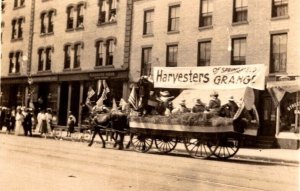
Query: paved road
[43,164]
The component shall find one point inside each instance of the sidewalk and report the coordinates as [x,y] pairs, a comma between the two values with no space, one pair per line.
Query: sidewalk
[255,154]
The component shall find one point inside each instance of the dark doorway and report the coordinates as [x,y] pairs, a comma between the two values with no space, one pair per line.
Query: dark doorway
[14,95]
[267,116]
[75,99]
[63,100]
[43,95]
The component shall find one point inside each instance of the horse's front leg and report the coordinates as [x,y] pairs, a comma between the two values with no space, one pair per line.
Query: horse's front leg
[103,141]
[93,137]
[130,141]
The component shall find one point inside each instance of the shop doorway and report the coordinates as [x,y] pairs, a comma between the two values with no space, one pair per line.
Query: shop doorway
[63,100]
[267,117]
[74,107]
[43,92]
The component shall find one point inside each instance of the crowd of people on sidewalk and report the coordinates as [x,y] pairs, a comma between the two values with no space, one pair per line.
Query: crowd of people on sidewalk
[23,121]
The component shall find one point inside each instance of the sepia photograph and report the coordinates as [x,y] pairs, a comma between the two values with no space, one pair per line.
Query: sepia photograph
[150,95]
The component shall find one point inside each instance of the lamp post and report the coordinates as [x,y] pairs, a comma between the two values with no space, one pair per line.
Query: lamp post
[29,80]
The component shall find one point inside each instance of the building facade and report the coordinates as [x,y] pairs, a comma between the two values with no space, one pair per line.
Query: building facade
[66,47]
[208,32]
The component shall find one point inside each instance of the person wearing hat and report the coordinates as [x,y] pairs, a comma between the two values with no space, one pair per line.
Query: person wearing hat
[229,109]
[164,100]
[181,109]
[27,124]
[215,102]
[198,107]
[19,130]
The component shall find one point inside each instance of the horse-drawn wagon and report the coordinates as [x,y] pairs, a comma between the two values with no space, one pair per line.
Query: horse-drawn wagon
[203,134]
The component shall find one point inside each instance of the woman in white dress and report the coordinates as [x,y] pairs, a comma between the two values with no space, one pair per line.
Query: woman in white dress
[19,130]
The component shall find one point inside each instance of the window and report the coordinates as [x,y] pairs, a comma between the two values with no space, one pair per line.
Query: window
[279,8]
[2,26]
[41,59]
[67,62]
[70,17]
[99,53]
[206,11]
[79,23]
[204,50]
[278,53]
[110,52]
[148,22]
[3,5]
[173,24]
[240,10]
[50,21]
[43,26]
[19,3]
[172,52]
[238,55]
[45,58]
[48,58]
[77,55]
[107,11]
[146,61]
[15,62]
[17,28]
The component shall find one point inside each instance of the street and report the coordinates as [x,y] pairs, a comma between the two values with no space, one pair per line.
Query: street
[46,164]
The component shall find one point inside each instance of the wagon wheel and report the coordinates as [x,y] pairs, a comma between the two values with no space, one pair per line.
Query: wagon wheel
[141,143]
[166,144]
[199,148]
[227,147]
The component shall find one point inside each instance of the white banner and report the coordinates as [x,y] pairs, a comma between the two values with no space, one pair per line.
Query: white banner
[210,77]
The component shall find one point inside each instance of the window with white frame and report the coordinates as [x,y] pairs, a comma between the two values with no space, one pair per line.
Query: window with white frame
[146,61]
[172,53]
[240,10]
[279,8]
[204,52]
[107,11]
[206,13]
[15,62]
[148,22]
[238,55]
[173,21]
[278,53]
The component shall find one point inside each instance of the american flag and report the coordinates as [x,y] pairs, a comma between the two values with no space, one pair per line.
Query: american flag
[133,100]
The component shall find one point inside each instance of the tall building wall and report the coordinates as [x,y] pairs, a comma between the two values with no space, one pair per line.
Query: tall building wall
[9,45]
[257,31]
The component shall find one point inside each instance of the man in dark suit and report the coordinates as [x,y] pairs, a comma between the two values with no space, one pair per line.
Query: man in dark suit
[27,124]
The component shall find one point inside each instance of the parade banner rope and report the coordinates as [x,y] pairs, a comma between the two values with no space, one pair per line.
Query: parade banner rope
[210,77]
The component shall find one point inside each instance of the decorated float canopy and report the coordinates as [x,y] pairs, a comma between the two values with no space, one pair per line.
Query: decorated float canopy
[240,95]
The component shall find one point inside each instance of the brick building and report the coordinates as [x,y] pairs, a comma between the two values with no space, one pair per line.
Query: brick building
[209,32]
[66,47]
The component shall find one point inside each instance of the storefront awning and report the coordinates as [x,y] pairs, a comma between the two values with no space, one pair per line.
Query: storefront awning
[287,86]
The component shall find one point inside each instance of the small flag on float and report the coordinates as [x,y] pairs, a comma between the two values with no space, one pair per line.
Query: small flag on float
[114,106]
[99,87]
[133,99]
[105,86]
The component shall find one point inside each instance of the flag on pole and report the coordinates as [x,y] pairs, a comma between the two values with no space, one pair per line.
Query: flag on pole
[133,99]
[99,87]
[105,86]
[276,94]
[102,98]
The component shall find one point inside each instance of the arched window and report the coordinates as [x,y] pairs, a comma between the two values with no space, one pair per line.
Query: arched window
[77,54]
[41,59]
[99,53]
[70,17]
[67,59]
[110,48]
